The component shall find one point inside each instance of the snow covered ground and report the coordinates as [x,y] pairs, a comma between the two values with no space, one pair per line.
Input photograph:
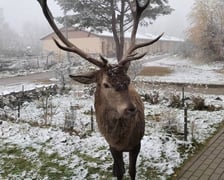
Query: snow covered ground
[30,149]
[187,71]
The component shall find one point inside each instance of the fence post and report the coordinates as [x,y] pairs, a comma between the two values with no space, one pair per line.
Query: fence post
[19,100]
[18,107]
[92,125]
[183,97]
[185,123]
[23,88]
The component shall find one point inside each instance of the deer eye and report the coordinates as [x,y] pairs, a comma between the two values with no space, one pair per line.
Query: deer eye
[105,85]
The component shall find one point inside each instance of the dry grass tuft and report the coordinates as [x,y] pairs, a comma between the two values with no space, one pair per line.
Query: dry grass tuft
[155,71]
[221,71]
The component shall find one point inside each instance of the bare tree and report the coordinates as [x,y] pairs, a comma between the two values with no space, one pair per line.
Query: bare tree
[207,28]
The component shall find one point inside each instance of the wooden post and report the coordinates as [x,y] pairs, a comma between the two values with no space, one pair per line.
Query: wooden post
[18,107]
[92,125]
[185,123]
[46,110]
[183,97]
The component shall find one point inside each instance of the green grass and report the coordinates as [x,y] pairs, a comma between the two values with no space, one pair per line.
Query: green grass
[104,174]
[10,150]
[14,162]
[51,167]
[31,162]
[37,163]
[148,172]
[16,166]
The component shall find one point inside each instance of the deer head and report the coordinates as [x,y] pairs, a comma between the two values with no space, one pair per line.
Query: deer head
[113,85]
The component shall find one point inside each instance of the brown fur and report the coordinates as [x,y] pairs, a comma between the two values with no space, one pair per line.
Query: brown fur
[122,133]
[119,114]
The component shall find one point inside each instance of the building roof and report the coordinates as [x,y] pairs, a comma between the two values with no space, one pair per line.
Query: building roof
[143,36]
[70,30]
[85,33]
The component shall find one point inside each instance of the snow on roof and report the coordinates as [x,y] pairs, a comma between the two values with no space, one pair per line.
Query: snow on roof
[146,36]
[143,36]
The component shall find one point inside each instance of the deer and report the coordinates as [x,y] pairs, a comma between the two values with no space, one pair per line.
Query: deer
[118,106]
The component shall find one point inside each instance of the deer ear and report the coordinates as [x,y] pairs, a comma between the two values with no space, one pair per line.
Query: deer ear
[87,78]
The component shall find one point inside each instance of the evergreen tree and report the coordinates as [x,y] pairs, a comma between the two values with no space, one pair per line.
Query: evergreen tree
[10,41]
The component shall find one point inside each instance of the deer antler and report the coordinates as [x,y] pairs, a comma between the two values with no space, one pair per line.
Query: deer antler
[136,18]
[69,46]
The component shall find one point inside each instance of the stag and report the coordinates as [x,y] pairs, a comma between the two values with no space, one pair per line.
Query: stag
[119,108]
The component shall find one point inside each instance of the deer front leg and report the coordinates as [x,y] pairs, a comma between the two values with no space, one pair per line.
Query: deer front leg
[133,154]
[118,166]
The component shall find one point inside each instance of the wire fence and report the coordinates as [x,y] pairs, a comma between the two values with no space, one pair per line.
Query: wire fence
[26,63]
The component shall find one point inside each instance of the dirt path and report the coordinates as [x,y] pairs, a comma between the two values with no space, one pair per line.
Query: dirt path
[43,77]
[171,87]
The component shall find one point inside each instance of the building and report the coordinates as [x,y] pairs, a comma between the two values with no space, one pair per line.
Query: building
[103,43]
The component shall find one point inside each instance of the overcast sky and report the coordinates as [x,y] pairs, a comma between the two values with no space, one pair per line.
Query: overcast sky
[19,12]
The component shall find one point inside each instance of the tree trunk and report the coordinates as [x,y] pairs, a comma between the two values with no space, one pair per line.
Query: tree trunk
[118,36]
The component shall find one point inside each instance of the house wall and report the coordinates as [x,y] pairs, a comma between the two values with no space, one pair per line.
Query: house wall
[91,45]
[162,46]
[108,47]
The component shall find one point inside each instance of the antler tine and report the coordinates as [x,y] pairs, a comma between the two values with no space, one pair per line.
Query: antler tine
[105,61]
[140,45]
[132,58]
[70,46]
[129,57]
[136,16]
